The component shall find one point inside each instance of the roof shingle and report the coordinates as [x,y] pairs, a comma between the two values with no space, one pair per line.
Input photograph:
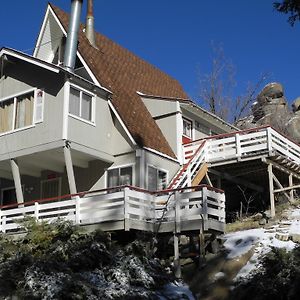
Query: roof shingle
[124,74]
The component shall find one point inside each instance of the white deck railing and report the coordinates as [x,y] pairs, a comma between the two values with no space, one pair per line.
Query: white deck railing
[246,143]
[126,204]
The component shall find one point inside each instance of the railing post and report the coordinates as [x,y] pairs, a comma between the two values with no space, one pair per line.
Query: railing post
[177,213]
[77,210]
[204,208]
[3,229]
[189,176]
[269,140]
[0,220]
[238,145]
[126,209]
[36,210]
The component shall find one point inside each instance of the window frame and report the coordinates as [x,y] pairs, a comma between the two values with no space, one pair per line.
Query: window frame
[120,167]
[14,98]
[184,119]
[157,170]
[93,104]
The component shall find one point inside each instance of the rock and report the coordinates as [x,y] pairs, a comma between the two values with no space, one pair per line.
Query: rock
[257,217]
[295,237]
[262,222]
[282,237]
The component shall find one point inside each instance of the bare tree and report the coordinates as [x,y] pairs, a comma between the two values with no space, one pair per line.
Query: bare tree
[217,88]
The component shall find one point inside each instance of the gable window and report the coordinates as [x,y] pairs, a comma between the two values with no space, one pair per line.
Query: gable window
[157,179]
[18,111]
[81,104]
[119,176]
[187,127]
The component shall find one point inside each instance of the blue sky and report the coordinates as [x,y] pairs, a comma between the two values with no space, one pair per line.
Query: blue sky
[176,35]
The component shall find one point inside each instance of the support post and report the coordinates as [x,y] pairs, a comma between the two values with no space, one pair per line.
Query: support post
[177,267]
[69,168]
[271,190]
[71,179]
[291,191]
[17,180]
[201,245]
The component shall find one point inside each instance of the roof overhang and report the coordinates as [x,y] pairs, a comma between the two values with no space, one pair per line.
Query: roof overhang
[191,106]
[8,52]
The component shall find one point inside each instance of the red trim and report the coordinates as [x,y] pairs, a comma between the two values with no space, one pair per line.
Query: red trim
[117,188]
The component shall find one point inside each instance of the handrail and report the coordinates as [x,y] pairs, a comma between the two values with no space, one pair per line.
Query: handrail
[117,188]
[184,168]
[224,135]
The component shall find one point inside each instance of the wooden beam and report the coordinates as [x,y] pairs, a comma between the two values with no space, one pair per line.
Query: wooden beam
[208,179]
[200,175]
[237,180]
[287,188]
[280,186]
[271,190]
[291,184]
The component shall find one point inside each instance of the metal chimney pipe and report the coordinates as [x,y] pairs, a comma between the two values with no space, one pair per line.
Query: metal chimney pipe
[72,38]
[89,28]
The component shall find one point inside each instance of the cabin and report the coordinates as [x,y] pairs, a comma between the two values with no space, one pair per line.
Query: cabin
[96,135]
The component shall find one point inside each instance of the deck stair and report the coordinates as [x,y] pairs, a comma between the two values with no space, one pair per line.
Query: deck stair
[194,168]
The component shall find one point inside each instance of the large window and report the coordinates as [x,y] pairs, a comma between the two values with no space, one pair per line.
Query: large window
[16,112]
[119,176]
[157,179]
[81,104]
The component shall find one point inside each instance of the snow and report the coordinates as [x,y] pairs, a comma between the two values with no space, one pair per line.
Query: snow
[172,290]
[261,241]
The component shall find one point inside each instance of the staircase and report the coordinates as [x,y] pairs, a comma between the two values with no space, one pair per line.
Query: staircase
[194,167]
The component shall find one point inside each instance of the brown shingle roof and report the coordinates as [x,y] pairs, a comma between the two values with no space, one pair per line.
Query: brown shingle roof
[124,74]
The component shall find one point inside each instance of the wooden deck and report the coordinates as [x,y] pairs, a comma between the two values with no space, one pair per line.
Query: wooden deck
[126,208]
[264,146]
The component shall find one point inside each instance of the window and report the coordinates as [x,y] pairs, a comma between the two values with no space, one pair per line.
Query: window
[8,195]
[157,179]
[80,104]
[16,112]
[119,176]
[51,188]
[187,127]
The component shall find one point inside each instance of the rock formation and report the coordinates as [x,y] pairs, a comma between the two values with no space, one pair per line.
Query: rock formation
[271,108]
